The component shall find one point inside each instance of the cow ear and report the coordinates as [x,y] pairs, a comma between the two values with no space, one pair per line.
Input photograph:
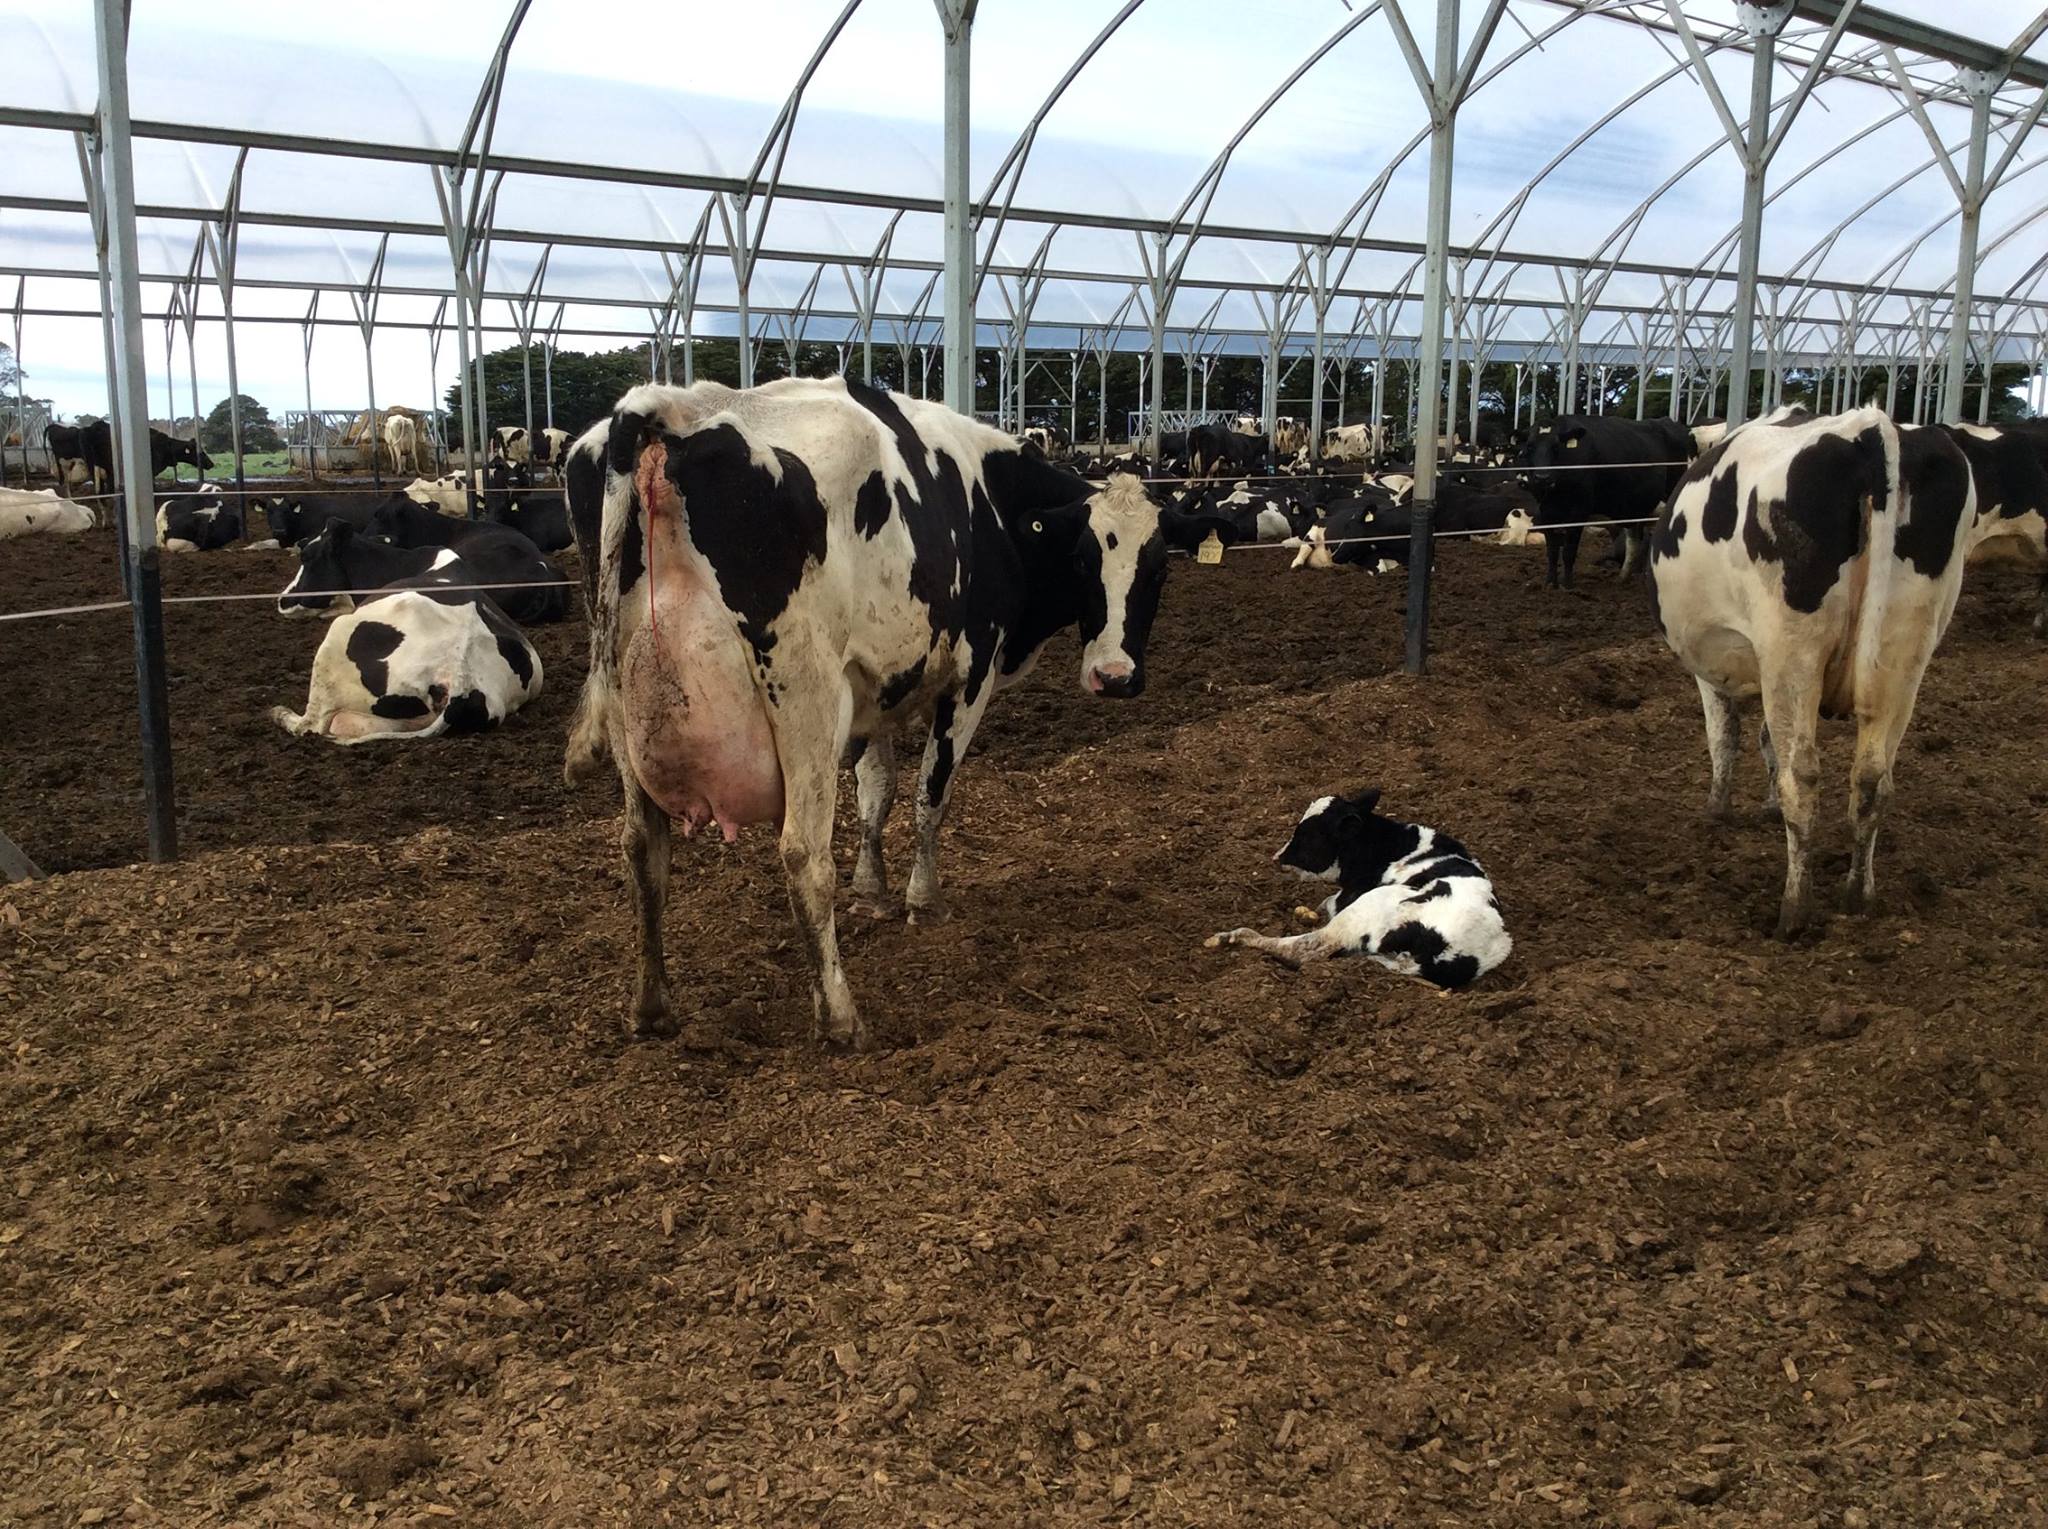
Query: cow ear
[1187,532]
[1366,800]
[339,533]
[1571,435]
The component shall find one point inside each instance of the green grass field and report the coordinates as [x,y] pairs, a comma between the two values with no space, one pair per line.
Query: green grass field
[255,464]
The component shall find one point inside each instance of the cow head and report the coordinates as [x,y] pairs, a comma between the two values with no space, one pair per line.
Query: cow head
[1342,839]
[1110,551]
[322,572]
[1544,456]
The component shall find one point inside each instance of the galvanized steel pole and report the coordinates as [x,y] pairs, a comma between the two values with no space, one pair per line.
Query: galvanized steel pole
[1979,87]
[956,17]
[1763,24]
[145,593]
[1443,109]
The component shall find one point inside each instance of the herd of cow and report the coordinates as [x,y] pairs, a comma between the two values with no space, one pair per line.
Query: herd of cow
[784,579]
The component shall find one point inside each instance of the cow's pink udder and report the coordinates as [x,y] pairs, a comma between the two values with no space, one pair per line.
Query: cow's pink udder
[697,730]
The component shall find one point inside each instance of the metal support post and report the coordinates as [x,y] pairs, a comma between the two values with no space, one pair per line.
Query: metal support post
[956,18]
[145,594]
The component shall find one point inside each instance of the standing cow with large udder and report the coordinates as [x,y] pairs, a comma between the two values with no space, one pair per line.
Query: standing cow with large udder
[781,574]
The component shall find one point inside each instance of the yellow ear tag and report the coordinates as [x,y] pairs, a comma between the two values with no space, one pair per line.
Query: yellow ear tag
[1571,445]
[1211,550]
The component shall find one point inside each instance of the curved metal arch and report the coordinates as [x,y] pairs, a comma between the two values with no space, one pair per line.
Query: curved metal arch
[782,130]
[1020,151]
[1368,200]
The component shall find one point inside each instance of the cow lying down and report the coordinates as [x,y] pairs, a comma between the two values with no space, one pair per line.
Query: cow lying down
[414,663]
[24,512]
[1409,897]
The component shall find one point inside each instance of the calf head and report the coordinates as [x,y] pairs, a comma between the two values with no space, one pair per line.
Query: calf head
[1342,839]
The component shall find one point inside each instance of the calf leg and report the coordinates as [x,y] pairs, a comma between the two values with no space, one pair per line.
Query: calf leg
[1791,711]
[809,747]
[953,725]
[645,841]
[1295,950]
[1724,743]
[874,776]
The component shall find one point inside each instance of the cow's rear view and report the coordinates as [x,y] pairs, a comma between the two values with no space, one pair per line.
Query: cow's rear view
[1814,564]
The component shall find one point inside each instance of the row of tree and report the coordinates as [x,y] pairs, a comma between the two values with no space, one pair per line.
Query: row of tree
[586,385]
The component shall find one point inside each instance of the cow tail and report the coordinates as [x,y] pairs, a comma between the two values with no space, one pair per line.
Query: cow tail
[598,709]
[1881,522]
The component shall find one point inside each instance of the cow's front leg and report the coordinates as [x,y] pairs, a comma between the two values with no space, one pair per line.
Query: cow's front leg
[953,724]
[1633,543]
[809,746]
[645,841]
[874,774]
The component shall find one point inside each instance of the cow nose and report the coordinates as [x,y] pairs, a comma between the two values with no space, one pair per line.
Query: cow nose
[1115,680]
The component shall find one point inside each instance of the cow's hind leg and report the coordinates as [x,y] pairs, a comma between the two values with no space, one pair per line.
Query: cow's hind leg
[1791,694]
[1878,732]
[810,746]
[874,774]
[1634,542]
[645,841]
[1763,747]
[1724,743]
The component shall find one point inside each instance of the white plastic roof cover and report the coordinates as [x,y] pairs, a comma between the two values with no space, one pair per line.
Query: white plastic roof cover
[1588,153]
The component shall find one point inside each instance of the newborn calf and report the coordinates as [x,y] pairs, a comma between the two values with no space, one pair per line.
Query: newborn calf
[1409,897]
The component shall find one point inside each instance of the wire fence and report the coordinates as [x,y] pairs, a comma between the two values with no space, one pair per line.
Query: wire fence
[1291,544]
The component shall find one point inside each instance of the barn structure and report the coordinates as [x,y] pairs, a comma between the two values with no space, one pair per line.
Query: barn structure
[1692,190]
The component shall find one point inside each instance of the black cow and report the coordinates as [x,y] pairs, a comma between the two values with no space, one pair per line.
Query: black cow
[541,515]
[93,445]
[293,515]
[510,557]
[342,558]
[1598,467]
[785,572]
[1214,449]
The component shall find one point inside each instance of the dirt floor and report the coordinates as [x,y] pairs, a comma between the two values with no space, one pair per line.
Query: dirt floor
[331,1193]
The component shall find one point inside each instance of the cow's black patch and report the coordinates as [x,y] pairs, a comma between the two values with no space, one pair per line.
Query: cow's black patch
[632,552]
[871,506]
[897,687]
[1717,518]
[398,707]
[1818,527]
[369,646]
[1428,948]
[583,491]
[1436,870]
[468,712]
[1670,532]
[1935,469]
[517,659]
[942,751]
[1430,893]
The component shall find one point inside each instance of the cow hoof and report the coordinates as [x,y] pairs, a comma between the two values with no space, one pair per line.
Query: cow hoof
[654,1024]
[1720,815]
[928,914]
[1793,922]
[872,905]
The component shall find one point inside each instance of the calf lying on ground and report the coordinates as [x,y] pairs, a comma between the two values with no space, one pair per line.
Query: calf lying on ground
[413,664]
[23,512]
[203,521]
[1408,896]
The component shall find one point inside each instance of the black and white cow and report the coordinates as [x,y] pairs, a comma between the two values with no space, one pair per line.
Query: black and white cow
[1600,467]
[509,442]
[341,558]
[1411,898]
[534,588]
[93,446]
[2009,464]
[411,663]
[203,521]
[1813,563]
[779,574]
[548,446]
